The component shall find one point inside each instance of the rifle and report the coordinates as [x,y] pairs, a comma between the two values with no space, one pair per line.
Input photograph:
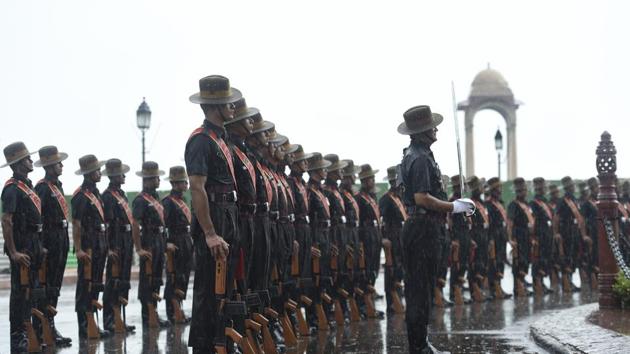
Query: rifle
[179,294]
[92,327]
[366,292]
[226,308]
[33,345]
[151,310]
[39,295]
[119,323]
[355,314]
[334,267]
[303,327]
[393,290]
[322,320]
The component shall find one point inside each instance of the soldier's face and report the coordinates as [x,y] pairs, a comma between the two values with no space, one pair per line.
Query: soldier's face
[368,183]
[279,153]
[27,164]
[289,158]
[151,182]
[227,112]
[594,190]
[248,125]
[521,193]
[262,138]
[180,186]
[334,175]
[58,168]
[95,176]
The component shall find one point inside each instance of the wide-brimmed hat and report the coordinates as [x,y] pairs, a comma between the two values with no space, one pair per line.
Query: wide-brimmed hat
[115,167]
[519,184]
[336,164]
[456,181]
[317,162]
[539,182]
[49,155]
[150,169]
[88,164]
[593,182]
[242,112]
[392,173]
[261,125]
[419,119]
[16,152]
[215,89]
[494,183]
[350,169]
[553,188]
[567,182]
[290,148]
[445,180]
[367,171]
[583,187]
[473,182]
[277,139]
[300,155]
[177,174]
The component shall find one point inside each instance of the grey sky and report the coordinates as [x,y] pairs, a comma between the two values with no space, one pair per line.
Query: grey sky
[335,76]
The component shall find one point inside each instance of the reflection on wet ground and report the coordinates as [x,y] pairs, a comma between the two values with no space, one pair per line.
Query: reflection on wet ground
[615,320]
[496,327]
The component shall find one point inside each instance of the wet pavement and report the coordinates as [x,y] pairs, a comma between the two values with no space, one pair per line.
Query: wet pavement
[493,327]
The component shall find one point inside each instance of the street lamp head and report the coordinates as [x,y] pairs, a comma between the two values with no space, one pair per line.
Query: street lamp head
[143,116]
[498,140]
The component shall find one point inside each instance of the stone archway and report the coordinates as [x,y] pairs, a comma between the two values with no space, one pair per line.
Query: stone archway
[489,90]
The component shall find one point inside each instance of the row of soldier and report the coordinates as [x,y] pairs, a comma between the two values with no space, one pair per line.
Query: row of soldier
[284,244]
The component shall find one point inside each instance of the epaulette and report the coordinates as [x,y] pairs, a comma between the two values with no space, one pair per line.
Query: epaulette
[9,182]
[76,192]
[195,132]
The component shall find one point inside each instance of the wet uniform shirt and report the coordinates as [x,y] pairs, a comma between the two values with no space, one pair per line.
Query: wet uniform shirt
[352,208]
[337,207]
[244,169]
[115,215]
[177,218]
[300,193]
[147,214]
[26,216]
[52,211]
[543,214]
[87,212]
[393,215]
[421,174]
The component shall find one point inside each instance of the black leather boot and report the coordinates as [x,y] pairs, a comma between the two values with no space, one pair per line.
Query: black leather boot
[60,340]
[19,343]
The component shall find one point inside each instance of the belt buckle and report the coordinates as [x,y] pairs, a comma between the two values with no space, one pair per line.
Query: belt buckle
[266,206]
[127,228]
[292,217]
[188,228]
[308,220]
[356,223]
[486,225]
[328,223]
[40,227]
[64,223]
[548,222]
[161,229]
[375,223]
[102,227]
[343,219]
[402,223]
[234,196]
[503,223]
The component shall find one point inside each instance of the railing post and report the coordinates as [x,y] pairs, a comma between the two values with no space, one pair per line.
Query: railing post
[607,205]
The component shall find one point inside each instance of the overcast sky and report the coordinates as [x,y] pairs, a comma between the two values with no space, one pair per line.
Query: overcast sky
[335,76]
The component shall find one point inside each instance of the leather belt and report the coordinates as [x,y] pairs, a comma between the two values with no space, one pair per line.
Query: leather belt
[35,227]
[274,215]
[179,230]
[222,197]
[370,223]
[156,229]
[247,208]
[302,219]
[263,207]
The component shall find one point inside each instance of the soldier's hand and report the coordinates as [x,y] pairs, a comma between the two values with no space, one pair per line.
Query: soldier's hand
[144,254]
[83,257]
[513,244]
[464,205]
[296,247]
[386,242]
[217,245]
[112,256]
[170,247]
[21,258]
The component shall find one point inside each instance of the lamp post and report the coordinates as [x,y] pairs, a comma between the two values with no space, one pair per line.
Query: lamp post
[143,118]
[498,144]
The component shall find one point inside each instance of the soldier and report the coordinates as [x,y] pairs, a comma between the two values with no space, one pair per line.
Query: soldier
[460,246]
[521,236]
[569,223]
[543,215]
[624,210]
[21,228]
[478,272]
[90,243]
[445,251]
[497,237]
[214,228]
[119,219]
[150,241]
[394,215]
[239,129]
[426,204]
[370,224]
[554,196]
[590,244]
[55,216]
[179,245]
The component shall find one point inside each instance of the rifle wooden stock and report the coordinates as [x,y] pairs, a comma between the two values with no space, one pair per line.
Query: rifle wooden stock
[33,345]
[151,310]
[349,259]
[178,313]
[170,265]
[396,301]
[295,264]
[361,256]
[287,330]
[355,314]
[303,326]
[271,313]
[268,343]
[252,328]
[389,261]
[119,323]
[25,281]
[334,259]
[492,251]
[235,336]
[47,334]
[389,264]
[455,253]
[322,320]
[339,318]
[538,286]
[437,297]
[92,327]
[458,297]
[315,259]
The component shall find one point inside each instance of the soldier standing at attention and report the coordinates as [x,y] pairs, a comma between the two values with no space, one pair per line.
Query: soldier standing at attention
[460,246]
[55,216]
[569,223]
[480,222]
[150,240]
[590,244]
[426,204]
[394,215]
[21,229]
[119,218]
[521,236]
[543,215]
[497,237]
[179,244]
[213,188]
[89,236]
[554,196]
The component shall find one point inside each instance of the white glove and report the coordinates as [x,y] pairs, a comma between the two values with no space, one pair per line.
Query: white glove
[464,205]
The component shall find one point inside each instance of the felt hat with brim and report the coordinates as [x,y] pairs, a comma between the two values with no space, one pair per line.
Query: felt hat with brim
[262,126]
[215,89]
[567,182]
[278,139]
[593,182]
[336,164]
[317,162]
[242,112]
[49,155]
[519,184]
[15,153]
[150,169]
[367,172]
[300,155]
[350,169]
[290,148]
[494,183]
[473,182]
[88,164]
[553,188]
[177,174]
[456,180]
[539,182]
[583,187]
[115,167]
[392,174]
[419,119]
